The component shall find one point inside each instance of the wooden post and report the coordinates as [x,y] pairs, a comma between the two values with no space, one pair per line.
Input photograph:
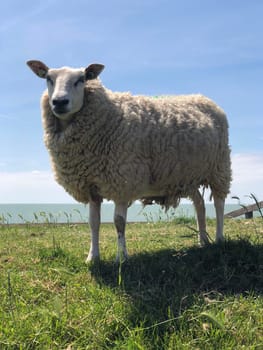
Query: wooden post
[247,210]
[249,215]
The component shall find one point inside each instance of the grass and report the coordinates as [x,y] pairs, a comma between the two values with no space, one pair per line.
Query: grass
[169,295]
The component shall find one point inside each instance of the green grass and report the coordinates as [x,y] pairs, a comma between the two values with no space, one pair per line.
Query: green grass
[169,295]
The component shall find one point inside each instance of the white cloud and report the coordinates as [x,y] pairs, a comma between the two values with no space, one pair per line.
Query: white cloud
[40,187]
[247,175]
[31,187]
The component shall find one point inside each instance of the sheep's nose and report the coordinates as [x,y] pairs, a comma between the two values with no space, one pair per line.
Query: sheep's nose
[59,103]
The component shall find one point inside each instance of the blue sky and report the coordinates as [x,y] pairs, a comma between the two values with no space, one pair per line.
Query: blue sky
[148,47]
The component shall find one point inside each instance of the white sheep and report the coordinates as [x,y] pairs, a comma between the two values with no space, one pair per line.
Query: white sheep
[120,147]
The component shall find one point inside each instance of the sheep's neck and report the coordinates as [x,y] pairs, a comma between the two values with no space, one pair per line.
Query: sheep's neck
[62,124]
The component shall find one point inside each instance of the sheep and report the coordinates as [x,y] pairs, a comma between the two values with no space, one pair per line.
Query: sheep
[120,147]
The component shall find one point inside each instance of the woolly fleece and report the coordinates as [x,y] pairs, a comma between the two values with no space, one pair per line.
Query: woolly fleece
[123,147]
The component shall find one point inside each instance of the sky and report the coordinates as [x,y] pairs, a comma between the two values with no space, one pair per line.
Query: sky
[148,47]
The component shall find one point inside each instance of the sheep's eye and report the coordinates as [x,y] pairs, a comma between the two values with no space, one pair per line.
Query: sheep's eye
[50,81]
[80,80]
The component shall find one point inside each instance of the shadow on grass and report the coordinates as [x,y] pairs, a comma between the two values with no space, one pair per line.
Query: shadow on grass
[170,280]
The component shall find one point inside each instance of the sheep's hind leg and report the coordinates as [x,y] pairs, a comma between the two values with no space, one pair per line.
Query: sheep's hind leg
[120,215]
[219,206]
[201,220]
[94,222]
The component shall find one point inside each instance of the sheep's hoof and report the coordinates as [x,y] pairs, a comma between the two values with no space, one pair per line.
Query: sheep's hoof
[220,240]
[121,257]
[92,258]
[203,239]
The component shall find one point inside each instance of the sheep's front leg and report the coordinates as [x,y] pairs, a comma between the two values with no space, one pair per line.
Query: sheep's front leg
[120,215]
[200,212]
[219,206]
[94,222]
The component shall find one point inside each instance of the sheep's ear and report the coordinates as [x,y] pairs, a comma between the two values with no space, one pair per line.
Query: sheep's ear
[93,71]
[38,67]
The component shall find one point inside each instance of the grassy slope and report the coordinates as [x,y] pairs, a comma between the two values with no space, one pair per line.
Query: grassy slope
[169,295]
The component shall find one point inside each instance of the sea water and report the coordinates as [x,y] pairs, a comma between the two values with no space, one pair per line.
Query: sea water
[79,213]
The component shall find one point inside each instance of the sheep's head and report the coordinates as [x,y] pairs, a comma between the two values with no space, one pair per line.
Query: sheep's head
[65,86]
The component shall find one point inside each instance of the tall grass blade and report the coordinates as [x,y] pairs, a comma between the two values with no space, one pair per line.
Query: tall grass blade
[257,203]
[212,319]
